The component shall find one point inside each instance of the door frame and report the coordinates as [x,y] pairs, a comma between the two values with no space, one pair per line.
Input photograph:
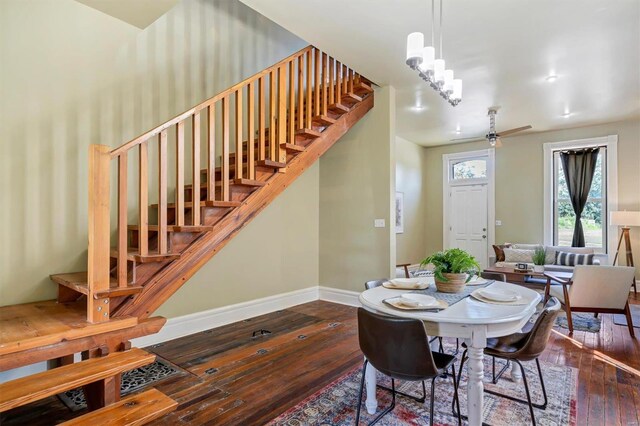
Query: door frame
[490,181]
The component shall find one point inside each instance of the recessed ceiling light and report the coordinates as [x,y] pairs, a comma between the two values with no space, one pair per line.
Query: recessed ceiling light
[551,78]
[417,107]
[567,114]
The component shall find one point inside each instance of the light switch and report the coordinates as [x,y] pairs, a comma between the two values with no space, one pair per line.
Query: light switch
[498,223]
[378,223]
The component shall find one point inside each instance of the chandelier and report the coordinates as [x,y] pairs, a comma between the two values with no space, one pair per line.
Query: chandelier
[422,59]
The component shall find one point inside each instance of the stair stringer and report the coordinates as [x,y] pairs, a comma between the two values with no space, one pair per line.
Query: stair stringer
[162,286]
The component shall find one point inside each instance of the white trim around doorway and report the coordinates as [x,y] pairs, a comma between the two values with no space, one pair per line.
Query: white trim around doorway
[490,181]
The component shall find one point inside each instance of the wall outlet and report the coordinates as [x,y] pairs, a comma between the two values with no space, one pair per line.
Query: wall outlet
[498,223]
[378,223]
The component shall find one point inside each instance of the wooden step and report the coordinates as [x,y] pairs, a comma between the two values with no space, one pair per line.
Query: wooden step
[271,163]
[292,148]
[308,133]
[362,88]
[239,182]
[352,98]
[324,120]
[175,228]
[77,281]
[48,323]
[133,410]
[134,255]
[25,390]
[189,204]
[338,108]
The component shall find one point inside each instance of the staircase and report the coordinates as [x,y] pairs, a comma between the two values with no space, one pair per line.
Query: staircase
[199,179]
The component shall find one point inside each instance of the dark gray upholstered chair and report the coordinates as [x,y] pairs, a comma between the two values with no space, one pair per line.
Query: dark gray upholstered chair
[374,283]
[525,346]
[399,348]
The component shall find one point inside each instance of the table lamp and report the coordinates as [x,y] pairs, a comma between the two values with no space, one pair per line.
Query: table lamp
[626,220]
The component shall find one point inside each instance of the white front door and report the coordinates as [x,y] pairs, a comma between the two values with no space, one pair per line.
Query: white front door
[468,220]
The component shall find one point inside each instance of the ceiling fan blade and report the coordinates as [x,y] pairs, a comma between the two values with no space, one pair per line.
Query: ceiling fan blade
[498,143]
[512,131]
[471,139]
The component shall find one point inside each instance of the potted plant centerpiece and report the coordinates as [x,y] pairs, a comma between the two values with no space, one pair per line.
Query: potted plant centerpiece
[452,269]
[539,256]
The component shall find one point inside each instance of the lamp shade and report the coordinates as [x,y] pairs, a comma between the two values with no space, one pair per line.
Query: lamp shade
[415,43]
[624,218]
[438,71]
[448,81]
[428,56]
[457,89]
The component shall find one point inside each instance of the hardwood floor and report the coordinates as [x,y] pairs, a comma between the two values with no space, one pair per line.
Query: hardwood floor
[234,378]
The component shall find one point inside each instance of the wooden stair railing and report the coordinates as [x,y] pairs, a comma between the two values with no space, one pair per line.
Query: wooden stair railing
[246,136]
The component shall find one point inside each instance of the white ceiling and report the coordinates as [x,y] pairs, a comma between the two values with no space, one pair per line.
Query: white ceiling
[139,13]
[502,49]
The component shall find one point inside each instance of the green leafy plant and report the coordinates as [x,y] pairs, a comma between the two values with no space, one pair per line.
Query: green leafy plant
[452,261]
[539,256]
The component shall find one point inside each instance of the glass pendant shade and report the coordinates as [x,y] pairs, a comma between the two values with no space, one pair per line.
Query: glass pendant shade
[415,43]
[438,71]
[428,56]
[457,89]
[448,81]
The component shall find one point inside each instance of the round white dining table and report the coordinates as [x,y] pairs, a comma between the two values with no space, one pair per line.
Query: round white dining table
[469,319]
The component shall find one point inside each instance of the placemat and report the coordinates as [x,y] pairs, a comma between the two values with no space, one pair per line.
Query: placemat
[451,298]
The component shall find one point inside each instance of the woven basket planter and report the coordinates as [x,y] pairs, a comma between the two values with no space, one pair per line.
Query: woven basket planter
[455,283]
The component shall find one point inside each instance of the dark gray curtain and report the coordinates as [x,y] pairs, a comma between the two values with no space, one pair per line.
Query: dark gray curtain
[578,167]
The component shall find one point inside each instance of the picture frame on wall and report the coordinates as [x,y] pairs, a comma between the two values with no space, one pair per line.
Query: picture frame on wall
[399,212]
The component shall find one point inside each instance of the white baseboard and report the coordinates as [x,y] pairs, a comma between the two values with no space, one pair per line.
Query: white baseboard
[337,295]
[205,320]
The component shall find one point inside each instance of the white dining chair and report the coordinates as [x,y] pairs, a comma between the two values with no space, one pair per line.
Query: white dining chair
[598,289]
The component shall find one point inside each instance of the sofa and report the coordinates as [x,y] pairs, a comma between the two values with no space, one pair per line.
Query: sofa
[518,253]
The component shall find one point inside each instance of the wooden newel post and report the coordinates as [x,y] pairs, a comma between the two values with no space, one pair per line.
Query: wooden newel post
[99,233]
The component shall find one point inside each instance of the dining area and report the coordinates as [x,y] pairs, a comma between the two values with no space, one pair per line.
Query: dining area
[411,330]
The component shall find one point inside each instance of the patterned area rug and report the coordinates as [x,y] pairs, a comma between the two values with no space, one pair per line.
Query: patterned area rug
[581,322]
[619,319]
[336,403]
[131,381]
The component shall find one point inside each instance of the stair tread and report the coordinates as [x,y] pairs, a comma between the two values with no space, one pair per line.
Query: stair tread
[189,204]
[364,87]
[324,119]
[239,182]
[175,228]
[43,323]
[134,255]
[353,97]
[32,388]
[339,108]
[310,133]
[292,147]
[271,163]
[136,409]
[78,281]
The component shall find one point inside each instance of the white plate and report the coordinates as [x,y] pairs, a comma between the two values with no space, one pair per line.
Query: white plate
[499,296]
[418,300]
[476,280]
[407,283]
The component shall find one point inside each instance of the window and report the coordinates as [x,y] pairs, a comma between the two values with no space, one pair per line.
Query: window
[594,215]
[469,169]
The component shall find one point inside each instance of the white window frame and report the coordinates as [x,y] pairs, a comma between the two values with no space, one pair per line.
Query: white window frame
[490,181]
[611,168]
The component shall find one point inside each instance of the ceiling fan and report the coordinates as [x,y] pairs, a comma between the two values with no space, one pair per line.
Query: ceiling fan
[493,137]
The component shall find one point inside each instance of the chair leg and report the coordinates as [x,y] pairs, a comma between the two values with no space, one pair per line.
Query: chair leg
[526,388]
[383,413]
[544,390]
[567,308]
[595,315]
[415,398]
[462,360]
[432,401]
[456,398]
[497,377]
[627,313]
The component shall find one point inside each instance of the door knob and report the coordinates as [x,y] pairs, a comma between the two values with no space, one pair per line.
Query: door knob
[484,236]
[484,229]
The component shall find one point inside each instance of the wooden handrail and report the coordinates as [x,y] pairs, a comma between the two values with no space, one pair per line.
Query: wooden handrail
[148,134]
[295,96]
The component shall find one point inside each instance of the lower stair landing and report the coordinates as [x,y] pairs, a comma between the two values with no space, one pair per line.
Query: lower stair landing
[40,331]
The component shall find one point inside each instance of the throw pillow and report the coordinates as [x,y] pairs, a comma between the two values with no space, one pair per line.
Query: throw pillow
[499,250]
[572,259]
[518,255]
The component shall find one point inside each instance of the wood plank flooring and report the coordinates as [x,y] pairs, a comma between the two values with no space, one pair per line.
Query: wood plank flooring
[234,378]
